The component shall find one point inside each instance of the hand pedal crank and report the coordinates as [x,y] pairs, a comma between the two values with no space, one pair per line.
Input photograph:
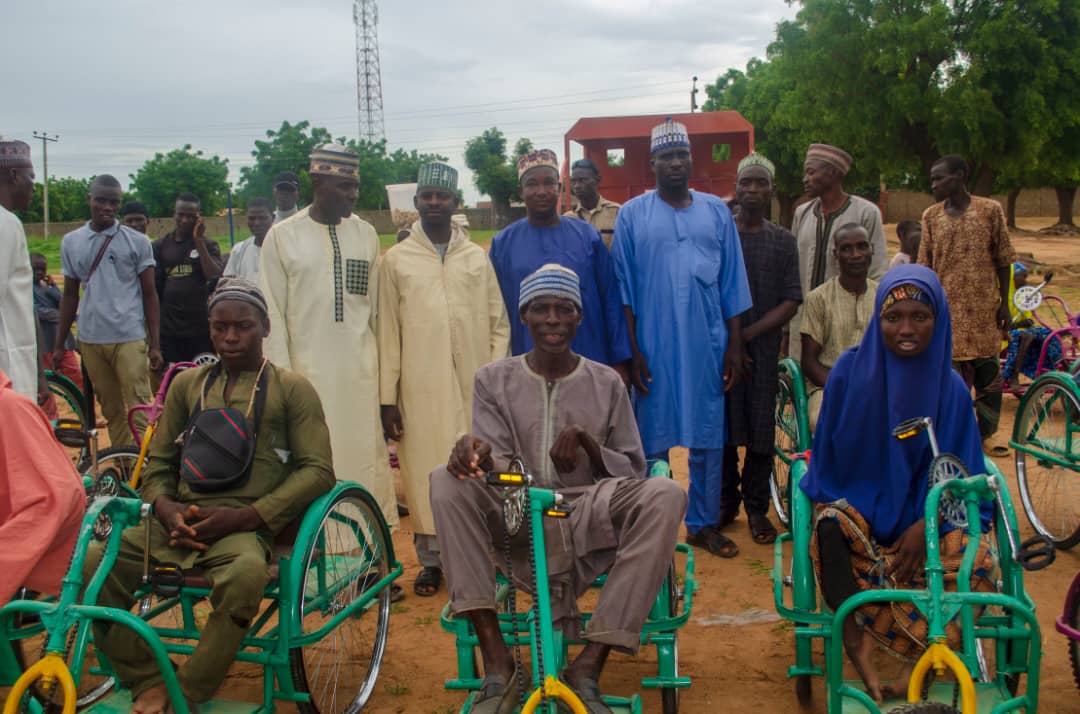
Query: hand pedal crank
[167,579]
[1036,553]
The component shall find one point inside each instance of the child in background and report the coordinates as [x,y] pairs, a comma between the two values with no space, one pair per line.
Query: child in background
[1024,335]
[910,234]
[47,307]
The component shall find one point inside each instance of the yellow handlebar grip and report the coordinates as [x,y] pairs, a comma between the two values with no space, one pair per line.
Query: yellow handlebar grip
[51,666]
[554,689]
[940,657]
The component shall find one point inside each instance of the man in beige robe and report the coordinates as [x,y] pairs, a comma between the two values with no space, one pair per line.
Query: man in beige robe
[441,317]
[319,273]
[570,420]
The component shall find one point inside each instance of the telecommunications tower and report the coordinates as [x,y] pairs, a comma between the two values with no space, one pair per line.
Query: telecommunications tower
[368,76]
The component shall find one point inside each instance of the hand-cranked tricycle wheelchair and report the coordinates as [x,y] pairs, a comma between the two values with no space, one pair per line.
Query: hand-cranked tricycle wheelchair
[320,642]
[986,678]
[528,506]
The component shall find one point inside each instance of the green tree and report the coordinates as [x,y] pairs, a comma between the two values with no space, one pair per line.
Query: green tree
[67,201]
[162,178]
[494,173]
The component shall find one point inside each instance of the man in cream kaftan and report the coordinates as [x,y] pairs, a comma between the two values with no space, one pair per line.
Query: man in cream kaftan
[321,280]
[441,317]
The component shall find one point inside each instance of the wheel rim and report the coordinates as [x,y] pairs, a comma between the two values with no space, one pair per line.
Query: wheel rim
[1050,492]
[787,444]
[340,670]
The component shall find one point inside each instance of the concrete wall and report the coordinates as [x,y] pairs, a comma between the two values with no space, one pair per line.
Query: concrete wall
[480,219]
[1032,203]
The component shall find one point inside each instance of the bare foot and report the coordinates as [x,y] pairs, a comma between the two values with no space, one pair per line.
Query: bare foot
[898,688]
[152,701]
[858,646]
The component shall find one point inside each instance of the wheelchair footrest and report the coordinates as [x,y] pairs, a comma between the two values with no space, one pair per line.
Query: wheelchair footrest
[120,703]
[987,695]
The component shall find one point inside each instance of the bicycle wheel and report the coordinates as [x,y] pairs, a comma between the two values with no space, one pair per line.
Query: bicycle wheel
[350,553]
[70,404]
[669,696]
[1048,432]
[785,447]
[115,467]
[92,685]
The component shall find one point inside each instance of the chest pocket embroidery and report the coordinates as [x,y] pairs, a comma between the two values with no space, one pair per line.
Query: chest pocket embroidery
[356,276]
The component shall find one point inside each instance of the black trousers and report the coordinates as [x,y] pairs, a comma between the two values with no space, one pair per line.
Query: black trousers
[184,348]
[753,482]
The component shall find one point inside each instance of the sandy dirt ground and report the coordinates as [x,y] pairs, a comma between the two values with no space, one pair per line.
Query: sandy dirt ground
[735,666]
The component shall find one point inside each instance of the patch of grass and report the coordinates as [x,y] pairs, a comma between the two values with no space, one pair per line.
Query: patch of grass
[783,626]
[426,620]
[744,603]
[398,609]
[758,567]
[397,689]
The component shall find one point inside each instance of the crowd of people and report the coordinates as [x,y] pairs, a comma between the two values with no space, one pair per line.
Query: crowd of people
[589,343]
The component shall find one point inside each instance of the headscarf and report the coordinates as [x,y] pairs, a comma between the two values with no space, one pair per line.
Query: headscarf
[871,390]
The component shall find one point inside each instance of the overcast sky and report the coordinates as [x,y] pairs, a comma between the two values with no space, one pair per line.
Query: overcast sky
[119,80]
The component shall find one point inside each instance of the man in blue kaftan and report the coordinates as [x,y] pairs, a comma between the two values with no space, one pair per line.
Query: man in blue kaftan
[543,237]
[680,269]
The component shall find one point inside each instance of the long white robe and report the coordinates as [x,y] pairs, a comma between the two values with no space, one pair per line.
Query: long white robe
[18,334]
[439,321]
[323,306]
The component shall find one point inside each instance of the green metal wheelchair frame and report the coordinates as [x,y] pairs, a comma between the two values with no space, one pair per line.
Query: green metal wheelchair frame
[1016,633]
[659,630]
[58,617]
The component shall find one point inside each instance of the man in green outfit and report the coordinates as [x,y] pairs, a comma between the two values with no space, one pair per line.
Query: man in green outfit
[225,534]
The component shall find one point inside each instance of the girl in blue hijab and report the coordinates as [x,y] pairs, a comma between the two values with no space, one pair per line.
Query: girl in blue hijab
[871,488]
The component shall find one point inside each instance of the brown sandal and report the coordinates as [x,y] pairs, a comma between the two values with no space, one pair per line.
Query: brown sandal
[761,529]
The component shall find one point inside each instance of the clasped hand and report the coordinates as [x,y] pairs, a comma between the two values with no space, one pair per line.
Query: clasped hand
[198,527]
[471,457]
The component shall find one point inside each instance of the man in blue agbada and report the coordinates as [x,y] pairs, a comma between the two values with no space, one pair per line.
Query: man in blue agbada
[680,268]
[543,237]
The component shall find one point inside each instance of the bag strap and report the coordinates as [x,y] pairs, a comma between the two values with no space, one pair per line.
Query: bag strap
[256,404]
[100,255]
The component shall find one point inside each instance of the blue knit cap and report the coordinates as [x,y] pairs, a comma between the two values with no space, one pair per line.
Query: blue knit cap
[551,280]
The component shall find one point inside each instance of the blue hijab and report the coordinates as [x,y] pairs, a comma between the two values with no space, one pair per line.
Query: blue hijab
[871,390]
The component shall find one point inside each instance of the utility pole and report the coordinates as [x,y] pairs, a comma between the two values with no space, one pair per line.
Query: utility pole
[45,139]
[693,97]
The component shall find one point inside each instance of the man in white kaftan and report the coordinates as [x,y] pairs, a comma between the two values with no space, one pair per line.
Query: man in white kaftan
[319,272]
[441,317]
[18,326]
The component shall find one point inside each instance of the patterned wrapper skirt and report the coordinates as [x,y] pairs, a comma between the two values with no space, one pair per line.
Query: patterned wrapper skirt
[900,627]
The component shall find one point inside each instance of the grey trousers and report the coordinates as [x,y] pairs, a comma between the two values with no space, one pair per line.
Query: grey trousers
[645,513]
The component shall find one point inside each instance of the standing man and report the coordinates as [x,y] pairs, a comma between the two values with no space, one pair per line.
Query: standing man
[772,269]
[244,258]
[441,317]
[592,208]
[544,237]
[319,271]
[816,221]
[18,327]
[286,194]
[966,242]
[187,264]
[684,285]
[135,216]
[837,312]
[118,322]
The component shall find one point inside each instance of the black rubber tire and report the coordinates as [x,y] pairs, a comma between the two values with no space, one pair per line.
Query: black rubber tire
[116,462]
[804,688]
[353,506]
[925,708]
[669,696]
[87,693]
[70,404]
[780,476]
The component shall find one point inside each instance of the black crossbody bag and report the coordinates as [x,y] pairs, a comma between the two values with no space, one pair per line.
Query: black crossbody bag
[219,444]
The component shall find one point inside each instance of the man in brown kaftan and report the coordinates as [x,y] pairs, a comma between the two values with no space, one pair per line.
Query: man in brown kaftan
[571,422]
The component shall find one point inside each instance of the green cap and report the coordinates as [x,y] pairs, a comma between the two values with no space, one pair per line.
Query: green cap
[437,175]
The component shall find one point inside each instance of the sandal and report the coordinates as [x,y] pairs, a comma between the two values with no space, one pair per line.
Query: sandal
[998,452]
[761,529]
[588,691]
[427,582]
[713,541]
[397,594]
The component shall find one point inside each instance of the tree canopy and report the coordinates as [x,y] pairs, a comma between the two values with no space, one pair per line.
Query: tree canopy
[495,173]
[67,201]
[162,178]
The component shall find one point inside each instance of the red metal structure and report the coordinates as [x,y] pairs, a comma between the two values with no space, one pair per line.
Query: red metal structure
[709,133]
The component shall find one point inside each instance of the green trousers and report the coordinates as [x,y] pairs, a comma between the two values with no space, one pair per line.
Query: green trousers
[119,375]
[236,567]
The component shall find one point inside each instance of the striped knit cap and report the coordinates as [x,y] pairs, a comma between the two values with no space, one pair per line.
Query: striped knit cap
[234,287]
[551,280]
[831,155]
[335,160]
[669,135]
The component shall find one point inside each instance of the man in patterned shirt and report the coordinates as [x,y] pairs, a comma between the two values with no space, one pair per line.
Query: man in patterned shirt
[966,242]
[319,272]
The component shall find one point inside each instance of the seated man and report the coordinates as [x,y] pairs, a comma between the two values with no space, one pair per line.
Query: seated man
[570,419]
[41,499]
[836,312]
[870,488]
[227,533]
[1026,338]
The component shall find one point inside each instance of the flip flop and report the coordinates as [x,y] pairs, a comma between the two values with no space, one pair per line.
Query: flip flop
[714,542]
[427,582]
[761,529]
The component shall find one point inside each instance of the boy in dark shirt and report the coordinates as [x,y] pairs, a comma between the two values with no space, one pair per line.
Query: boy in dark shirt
[47,307]
[188,264]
